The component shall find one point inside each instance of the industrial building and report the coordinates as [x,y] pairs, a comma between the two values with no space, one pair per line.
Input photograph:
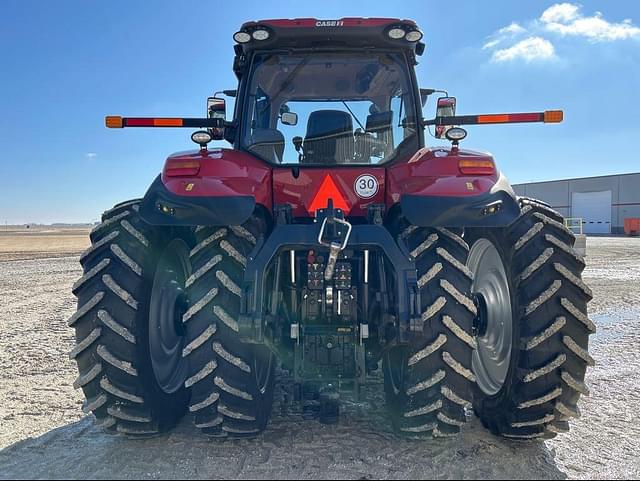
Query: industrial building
[603,203]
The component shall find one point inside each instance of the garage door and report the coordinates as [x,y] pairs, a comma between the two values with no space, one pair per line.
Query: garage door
[595,210]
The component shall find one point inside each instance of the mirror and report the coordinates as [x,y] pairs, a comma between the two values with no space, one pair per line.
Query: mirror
[446,108]
[216,109]
[289,118]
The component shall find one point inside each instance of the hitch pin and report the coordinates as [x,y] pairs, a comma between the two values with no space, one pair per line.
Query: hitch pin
[334,250]
[334,247]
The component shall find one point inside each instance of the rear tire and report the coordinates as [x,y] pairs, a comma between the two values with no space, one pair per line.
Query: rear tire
[232,383]
[550,335]
[112,327]
[428,384]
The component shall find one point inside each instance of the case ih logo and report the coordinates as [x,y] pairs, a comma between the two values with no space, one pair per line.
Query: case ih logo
[329,23]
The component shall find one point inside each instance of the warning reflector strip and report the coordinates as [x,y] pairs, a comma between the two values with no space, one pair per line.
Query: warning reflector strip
[550,116]
[117,122]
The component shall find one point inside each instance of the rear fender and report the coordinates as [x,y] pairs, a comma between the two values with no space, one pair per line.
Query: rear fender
[432,191]
[226,190]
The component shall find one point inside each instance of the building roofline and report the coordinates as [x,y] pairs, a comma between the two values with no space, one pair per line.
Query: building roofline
[576,178]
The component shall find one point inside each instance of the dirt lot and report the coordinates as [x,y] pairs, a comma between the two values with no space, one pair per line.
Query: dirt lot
[43,433]
[39,242]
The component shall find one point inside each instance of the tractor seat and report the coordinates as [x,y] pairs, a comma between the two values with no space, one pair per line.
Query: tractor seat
[268,144]
[329,138]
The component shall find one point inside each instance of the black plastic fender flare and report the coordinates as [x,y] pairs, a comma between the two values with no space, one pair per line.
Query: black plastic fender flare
[162,207]
[497,208]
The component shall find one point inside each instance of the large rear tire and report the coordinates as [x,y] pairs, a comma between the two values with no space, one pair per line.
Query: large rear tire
[532,356]
[428,384]
[114,350]
[232,383]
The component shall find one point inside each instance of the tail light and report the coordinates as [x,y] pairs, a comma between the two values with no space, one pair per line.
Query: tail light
[476,167]
[181,167]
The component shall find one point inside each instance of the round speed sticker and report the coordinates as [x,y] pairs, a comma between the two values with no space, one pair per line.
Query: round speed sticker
[366,186]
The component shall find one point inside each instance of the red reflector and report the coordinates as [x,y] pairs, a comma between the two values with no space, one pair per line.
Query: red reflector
[181,168]
[476,167]
[509,118]
[152,122]
[328,190]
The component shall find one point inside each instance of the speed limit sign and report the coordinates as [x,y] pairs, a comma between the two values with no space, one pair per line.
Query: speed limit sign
[366,186]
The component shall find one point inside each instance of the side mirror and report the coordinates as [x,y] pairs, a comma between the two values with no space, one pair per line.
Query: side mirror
[216,109]
[289,118]
[446,108]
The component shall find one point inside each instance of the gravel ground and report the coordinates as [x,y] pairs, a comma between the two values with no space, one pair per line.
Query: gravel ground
[43,433]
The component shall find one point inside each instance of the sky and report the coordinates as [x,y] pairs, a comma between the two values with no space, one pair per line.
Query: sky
[65,64]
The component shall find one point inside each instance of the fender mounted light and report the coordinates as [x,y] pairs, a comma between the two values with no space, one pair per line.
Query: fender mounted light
[202,138]
[456,134]
[476,167]
[181,167]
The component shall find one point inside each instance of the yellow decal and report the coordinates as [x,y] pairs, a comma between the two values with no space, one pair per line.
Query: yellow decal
[470,186]
[189,187]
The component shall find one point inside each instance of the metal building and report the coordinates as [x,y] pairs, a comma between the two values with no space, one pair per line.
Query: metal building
[602,202]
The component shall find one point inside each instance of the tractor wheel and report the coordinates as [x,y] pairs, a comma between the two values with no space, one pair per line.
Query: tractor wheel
[128,347]
[428,384]
[231,382]
[533,330]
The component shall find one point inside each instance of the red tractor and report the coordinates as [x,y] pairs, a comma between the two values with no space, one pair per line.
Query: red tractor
[332,241]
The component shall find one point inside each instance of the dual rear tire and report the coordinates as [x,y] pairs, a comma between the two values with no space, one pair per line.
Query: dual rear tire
[516,325]
[231,383]
[125,361]
[156,329]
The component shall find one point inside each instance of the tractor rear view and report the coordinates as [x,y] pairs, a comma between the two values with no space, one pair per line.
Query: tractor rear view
[330,241]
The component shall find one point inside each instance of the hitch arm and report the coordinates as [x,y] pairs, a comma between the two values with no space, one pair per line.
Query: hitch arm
[548,116]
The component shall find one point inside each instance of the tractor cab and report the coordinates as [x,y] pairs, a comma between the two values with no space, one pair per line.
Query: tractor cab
[328,92]
[328,108]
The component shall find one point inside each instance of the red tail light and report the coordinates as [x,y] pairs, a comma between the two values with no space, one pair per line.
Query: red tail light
[476,167]
[181,167]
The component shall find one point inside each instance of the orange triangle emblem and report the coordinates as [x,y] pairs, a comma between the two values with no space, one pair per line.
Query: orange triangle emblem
[328,190]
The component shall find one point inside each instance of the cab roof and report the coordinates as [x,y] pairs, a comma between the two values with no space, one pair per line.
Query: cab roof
[345,32]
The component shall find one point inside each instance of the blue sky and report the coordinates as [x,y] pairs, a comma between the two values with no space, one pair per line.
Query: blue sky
[65,64]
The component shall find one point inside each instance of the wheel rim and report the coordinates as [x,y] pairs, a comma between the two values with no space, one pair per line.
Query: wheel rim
[167,306]
[490,287]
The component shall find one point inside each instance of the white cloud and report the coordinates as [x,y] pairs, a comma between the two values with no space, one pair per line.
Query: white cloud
[560,12]
[529,50]
[91,155]
[512,29]
[557,21]
[566,19]
[505,33]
